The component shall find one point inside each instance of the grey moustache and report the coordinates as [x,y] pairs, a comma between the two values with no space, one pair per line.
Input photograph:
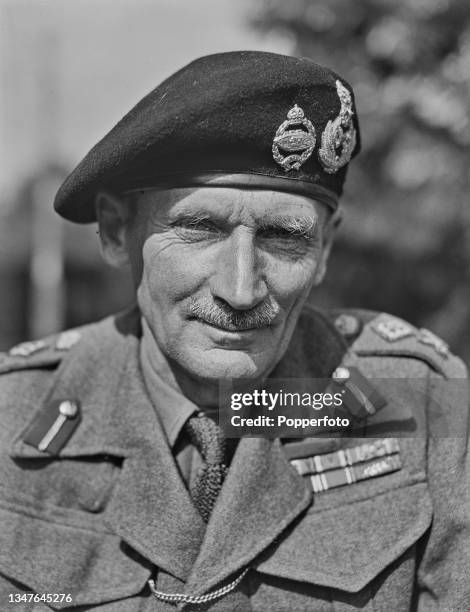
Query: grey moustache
[222,315]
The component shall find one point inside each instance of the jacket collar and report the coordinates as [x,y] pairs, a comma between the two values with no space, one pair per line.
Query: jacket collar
[315,350]
[261,496]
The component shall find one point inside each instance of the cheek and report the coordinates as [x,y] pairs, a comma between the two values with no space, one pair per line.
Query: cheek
[170,273]
[290,281]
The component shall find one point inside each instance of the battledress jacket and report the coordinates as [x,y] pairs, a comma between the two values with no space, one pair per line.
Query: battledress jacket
[87,522]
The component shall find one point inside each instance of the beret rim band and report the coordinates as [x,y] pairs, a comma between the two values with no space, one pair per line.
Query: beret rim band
[240,180]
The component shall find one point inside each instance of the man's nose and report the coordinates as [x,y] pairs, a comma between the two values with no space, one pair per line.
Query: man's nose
[239,277]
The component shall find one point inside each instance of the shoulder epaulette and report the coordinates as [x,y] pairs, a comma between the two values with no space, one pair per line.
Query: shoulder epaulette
[42,353]
[385,335]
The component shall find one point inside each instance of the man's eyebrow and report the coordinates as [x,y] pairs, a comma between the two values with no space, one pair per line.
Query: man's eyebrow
[303,226]
[297,225]
[195,214]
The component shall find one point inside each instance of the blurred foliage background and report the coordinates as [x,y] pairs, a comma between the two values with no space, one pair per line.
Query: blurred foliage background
[404,245]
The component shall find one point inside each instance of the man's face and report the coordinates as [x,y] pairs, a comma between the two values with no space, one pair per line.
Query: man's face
[223,273]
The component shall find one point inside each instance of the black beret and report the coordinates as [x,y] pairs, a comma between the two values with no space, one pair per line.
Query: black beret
[245,118]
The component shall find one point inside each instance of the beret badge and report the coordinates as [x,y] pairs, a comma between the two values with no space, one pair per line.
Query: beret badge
[296,137]
[339,137]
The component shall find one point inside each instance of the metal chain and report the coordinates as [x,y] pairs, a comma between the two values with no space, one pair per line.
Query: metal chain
[181,598]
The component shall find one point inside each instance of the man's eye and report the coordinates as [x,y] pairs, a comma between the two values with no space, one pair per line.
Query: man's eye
[279,233]
[192,224]
[196,228]
[284,243]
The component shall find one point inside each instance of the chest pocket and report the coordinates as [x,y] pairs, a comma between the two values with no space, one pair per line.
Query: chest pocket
[340,552]
[53,536]
[84,483]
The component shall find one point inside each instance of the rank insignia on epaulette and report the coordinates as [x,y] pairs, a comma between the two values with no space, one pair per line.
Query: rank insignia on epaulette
[393,329]
[427,337]
[350,465]
[25,349]
[53,425]
[67,339]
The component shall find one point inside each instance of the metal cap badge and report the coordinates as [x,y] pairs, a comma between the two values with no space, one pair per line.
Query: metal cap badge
[339,137]
[297,142]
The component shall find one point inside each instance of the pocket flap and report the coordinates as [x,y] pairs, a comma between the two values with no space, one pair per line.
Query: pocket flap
[49,557]
[347,546]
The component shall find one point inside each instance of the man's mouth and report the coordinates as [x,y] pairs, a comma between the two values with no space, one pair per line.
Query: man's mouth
[231,327]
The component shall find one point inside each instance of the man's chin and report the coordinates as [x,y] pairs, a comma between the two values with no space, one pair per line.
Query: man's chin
[215,364]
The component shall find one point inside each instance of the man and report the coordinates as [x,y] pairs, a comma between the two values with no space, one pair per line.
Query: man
[119,491]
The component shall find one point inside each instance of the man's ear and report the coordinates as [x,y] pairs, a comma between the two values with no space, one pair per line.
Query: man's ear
[329,232]
[113,216]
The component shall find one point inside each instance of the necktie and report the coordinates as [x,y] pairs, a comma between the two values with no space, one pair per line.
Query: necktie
[210,441]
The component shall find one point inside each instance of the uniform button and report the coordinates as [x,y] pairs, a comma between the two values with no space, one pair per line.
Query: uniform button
[341,374]
[347,325]
[68,409]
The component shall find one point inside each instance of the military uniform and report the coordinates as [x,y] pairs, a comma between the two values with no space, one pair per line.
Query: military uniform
[106,509]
